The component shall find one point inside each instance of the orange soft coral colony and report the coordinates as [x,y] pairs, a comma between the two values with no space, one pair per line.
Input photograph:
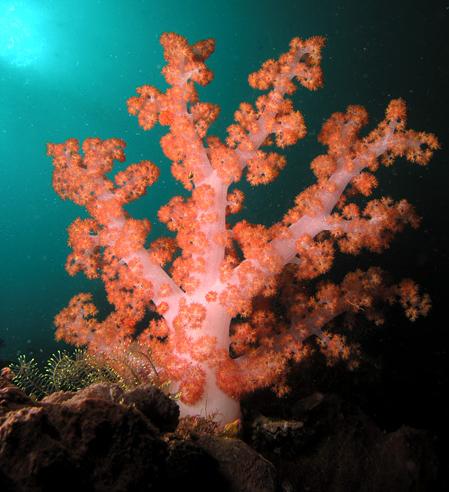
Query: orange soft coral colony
[199,280]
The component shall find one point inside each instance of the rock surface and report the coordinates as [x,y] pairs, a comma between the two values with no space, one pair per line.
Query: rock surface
[331,446]
[105,439]
[85,441]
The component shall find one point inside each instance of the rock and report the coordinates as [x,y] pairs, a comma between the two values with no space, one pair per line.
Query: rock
[6,377]
[162,411]
[13,398]
[189,467]
[148,399]
[111,393]
[58,397]
[331,446]
[244,469]
[103,438]
[87,441]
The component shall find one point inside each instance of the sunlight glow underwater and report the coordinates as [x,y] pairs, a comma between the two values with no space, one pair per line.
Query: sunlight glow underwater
[22,39]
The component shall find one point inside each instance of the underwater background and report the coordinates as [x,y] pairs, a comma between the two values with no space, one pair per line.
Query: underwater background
[67,68]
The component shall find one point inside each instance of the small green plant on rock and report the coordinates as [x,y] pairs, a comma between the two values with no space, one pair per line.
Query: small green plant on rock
[63,372]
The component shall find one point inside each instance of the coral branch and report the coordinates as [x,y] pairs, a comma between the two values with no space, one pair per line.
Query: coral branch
[213,332]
